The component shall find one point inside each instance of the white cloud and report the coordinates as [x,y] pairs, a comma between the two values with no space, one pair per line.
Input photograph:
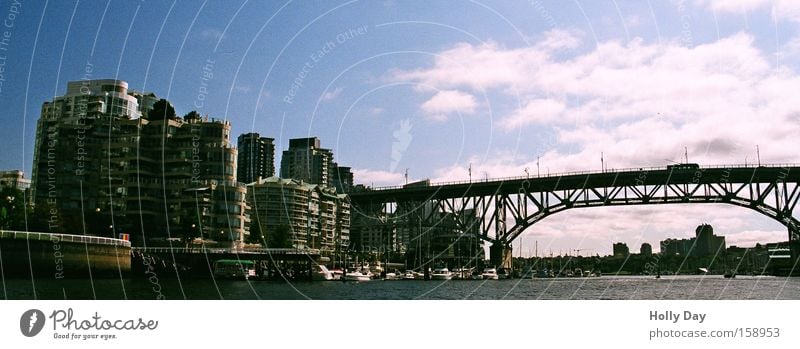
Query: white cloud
[536,110]
[449,101]
[377,178]
[780,9]
[750,238]
[639,103]
[331,95]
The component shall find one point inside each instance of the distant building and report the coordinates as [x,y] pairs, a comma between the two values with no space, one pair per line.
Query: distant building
[256,157]
[342,178]
[704,244]
[307,161]
[646,250]
[674,247]
[315,216]
[14,179]
[621,249]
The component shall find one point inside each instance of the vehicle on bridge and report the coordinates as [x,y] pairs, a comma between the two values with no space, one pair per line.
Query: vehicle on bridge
[687,166]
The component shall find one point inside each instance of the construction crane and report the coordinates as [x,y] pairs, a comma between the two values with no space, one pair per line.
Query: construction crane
[578,250]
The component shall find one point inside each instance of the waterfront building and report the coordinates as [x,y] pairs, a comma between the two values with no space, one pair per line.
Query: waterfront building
[14,179]
[108,161]
[307,161]
[256,157]
[313,216]
[646,250]
[621,249]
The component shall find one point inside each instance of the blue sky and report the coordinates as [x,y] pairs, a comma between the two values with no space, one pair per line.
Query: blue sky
[434,86]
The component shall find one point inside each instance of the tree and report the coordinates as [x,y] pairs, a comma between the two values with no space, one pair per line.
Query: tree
[191,115]
[162,110]
[280,238]
[255,237]
[40,216]
[12,209]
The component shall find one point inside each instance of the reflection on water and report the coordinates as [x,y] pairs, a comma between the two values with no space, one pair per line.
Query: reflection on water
[606,287]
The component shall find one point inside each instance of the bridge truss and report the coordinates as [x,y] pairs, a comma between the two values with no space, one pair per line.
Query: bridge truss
[499,211]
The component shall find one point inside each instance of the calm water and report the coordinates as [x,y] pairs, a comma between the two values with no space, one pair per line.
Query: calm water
[606,287]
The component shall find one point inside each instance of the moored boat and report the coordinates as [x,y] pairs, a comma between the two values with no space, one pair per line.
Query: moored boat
[357,276]
[441,274]
[490,274]
[234,269]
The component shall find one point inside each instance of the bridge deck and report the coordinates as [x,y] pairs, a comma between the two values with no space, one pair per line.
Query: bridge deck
[578,180]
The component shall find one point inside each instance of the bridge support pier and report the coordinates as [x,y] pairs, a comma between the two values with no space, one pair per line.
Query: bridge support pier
[500,256]
[794,249]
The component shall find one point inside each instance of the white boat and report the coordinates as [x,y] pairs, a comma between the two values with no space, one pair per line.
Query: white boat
[490,274]
[409,275]
[321,273]
[357,276]
[441,274]
[391,276]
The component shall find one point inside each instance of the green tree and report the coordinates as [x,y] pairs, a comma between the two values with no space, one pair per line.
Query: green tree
[12,209]
[191,115]
[280,237]
[256,236]
[162,110]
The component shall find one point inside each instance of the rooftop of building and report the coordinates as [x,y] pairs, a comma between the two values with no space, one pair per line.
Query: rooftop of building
[291,182]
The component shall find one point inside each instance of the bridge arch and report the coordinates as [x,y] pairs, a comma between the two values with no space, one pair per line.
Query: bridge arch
[790,222]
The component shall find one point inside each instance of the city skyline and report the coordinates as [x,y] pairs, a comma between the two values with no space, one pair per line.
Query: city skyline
[583,99]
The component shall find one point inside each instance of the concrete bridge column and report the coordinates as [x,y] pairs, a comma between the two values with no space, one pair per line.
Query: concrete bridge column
[500,255]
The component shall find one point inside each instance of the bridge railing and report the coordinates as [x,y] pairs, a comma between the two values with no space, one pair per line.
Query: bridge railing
[577,173]
[282,251]
[81,239]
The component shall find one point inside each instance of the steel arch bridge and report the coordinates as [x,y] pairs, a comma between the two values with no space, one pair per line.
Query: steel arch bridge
[504,208]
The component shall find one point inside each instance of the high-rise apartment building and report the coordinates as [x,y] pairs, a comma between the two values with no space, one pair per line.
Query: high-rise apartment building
[313,216]
[110,161]
[307,161]
[256,157]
